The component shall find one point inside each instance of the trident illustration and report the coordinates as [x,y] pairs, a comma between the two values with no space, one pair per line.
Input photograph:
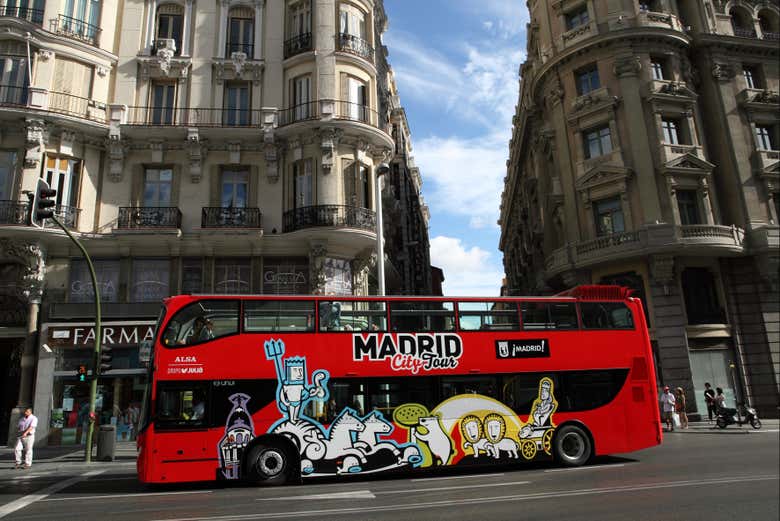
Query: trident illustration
[274,349]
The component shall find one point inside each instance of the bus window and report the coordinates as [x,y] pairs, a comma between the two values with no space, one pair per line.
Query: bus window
[549,315]
[202,321]
[488,316]
[278,315]
[484,385]
[352,316]
[181,405]
[606,315]
[415,316]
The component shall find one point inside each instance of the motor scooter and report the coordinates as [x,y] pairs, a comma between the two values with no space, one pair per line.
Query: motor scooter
[747,415]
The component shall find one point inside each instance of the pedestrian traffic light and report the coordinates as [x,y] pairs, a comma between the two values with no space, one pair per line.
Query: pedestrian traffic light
[42,204]
[106,356]
[82,373]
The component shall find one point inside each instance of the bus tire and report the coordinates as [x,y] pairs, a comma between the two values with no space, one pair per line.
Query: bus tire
[572,446]
[269,464]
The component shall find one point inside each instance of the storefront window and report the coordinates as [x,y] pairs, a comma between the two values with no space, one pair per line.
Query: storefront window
[107,273]
[283,276]
[338,277]
[232,276]
[151,280]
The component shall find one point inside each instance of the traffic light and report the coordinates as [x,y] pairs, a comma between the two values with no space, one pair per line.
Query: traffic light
[42,204]
[106,356]
[82,373]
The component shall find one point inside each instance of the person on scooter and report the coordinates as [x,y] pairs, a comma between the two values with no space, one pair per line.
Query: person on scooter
[720,403]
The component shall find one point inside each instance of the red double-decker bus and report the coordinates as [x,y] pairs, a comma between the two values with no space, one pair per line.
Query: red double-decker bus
[273,389]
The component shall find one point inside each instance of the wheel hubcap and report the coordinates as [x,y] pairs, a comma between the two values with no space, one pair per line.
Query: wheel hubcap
[572,446]
[270,463]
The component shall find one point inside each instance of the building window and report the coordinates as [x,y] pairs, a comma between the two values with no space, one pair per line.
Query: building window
[13,80]
[671,131]
[701,297]
[7,173]
[598,142]
[765,137]
[776,201]
[107,274]
[82,18]
[300,19]
[357,100]
[241,32]
[163,104]
[648,5]
[609,216]
[302,183]
[232,276]
[577,17]
[192,275]
[752,77]
[587,79]
[742,23]
[151,280]
[352,21]
[658,68]
[169,25]
[158,186]
[237,103]
[688,205]
[357,186]
[63,175]
[235,189]
[300,94]
[285,276]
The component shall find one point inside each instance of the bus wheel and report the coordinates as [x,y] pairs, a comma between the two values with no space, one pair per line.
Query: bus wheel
[547,442]
[528,449]
[269,464]
[572,446]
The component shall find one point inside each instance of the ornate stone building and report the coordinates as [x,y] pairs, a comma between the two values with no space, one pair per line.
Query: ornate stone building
[645,153]
[204,146]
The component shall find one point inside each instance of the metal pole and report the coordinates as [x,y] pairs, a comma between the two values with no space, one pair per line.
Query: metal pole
[381,170]
[96,369]
[733,368]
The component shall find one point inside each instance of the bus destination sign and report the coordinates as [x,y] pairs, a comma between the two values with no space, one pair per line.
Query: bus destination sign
[527,348]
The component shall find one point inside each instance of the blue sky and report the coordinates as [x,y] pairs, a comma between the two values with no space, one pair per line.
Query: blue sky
[456,64]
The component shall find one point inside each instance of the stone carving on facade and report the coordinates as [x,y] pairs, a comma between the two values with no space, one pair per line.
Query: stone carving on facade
[627,66]
[330,139]
[30,257]
[102,71]
[37,136]
[361,267]
[723,71]
[45,55]
[239,66]
[317,254]
[164,64]
[197,149]
[767,96]
[554,93]
[117,149]
[662,271]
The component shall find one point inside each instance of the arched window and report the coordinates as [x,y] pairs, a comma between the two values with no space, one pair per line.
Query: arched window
[170,19]
[241,32]
[770,25]
[742,23]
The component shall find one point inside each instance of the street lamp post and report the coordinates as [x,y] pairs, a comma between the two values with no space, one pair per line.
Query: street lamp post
[381,169]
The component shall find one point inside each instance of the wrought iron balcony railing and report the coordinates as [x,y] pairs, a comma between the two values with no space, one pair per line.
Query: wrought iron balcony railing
[230,217]
[34,16]
[297,44]
[13,96]
[329,215]
[148,217]
[246,48]
[341,110]
[70,105]
[193,117]
[76,29]
[357,112]
[769,35]
[13,212]
[744,32]
[68,215]
[355,45]
[301,112]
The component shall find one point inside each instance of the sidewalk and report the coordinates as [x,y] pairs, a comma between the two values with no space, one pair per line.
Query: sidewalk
[704,427]
[68,458]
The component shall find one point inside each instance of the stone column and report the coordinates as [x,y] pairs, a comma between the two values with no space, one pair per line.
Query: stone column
[150,25]
[222,26]
[258,51]
[187,29]
[317,254]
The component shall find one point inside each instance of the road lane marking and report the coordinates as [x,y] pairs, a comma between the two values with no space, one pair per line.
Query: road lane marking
[458,487]
[68,455]
[22,502]
[477,501]
[591,467]
[458,477]
[141,494]
[357,494]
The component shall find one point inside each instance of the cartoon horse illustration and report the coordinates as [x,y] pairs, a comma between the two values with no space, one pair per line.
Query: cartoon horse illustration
[368,440]
[339,442]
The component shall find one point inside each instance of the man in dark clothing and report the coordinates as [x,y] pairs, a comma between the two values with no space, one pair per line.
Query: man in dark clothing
[709,397]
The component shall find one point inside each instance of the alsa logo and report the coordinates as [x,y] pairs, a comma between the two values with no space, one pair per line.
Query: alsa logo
[185,360]
[408,352]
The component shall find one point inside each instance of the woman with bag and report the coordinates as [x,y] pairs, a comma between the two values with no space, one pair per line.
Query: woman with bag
[679,407]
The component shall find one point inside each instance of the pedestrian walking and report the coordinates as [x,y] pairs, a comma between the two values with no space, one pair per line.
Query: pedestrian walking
[709,399]
[679,407]
[667,406]
[25,437]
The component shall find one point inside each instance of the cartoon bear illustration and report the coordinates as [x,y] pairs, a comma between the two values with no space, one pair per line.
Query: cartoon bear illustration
[436,439]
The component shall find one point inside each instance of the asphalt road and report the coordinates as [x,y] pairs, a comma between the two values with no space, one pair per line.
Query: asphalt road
[703,475]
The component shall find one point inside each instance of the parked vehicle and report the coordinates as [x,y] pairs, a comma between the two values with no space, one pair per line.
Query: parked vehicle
[746,415]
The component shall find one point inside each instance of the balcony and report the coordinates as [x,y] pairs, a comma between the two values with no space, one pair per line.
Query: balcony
[297,45]
[230,217]
[329,216]
[34,16]
[355,45]
[55,102]
[76,29]
[13,96]
[697,239]
[770,35]
[763,160]
[13,213]
[247,49]
[193,117]
[647,18]
[302,112]
[68,216]
[743,32]
[357,112]
[329,108]
[670,151]
[149,218]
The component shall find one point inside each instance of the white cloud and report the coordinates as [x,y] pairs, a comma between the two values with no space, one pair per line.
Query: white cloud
[467,271]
